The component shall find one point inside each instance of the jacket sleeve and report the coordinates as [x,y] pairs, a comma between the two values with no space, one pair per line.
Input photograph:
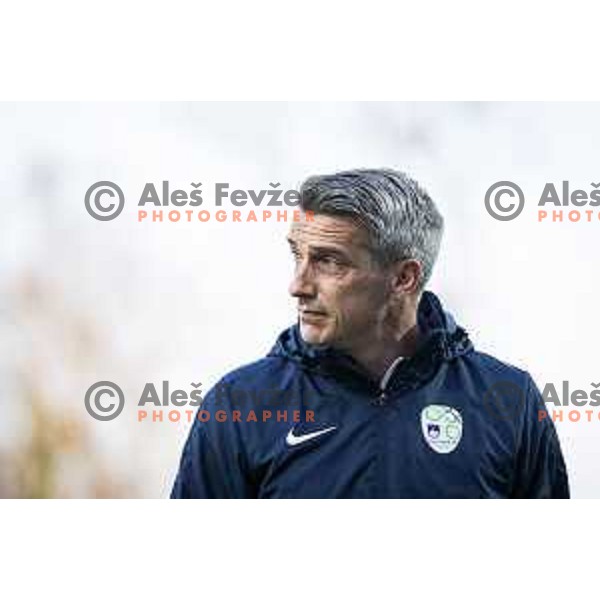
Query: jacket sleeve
[212,465]
[541,470]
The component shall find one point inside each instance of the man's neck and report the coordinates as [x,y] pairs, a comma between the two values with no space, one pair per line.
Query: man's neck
[378,357]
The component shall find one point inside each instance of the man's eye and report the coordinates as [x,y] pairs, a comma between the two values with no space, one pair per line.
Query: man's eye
[329,261]
[326,260]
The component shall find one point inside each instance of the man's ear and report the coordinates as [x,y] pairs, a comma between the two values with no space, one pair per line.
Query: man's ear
[406,276]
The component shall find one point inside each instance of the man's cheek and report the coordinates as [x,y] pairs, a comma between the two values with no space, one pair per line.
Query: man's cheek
[333,322]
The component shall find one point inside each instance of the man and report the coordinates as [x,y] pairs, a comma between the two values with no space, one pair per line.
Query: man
[389,396]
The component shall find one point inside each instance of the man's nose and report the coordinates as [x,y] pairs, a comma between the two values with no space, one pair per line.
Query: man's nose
[302,284]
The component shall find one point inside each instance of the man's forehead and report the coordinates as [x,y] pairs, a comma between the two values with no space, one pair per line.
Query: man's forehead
[327,229]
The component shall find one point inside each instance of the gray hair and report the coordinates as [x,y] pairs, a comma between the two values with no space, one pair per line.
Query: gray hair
[401,219]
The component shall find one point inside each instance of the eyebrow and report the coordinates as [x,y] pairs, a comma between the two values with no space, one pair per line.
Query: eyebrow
[322,249]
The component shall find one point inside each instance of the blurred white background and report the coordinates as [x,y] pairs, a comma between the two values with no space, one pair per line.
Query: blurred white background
[83,300]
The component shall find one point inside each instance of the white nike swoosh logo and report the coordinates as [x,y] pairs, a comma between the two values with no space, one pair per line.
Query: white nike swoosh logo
[294,440]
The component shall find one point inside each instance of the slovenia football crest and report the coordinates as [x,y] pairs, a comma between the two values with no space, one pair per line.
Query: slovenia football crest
[442,427]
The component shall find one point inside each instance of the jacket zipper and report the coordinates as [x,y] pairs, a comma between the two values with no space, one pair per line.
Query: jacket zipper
[380,399]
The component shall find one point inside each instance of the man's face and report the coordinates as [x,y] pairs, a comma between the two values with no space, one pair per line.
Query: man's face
[341,292]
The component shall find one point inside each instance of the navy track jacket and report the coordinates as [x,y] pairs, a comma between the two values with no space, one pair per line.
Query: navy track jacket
[447,422]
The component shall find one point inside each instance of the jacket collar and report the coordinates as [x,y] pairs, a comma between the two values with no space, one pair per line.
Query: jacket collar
[443,341]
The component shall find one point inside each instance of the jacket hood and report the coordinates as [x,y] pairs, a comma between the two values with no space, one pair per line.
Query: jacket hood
[442,340]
